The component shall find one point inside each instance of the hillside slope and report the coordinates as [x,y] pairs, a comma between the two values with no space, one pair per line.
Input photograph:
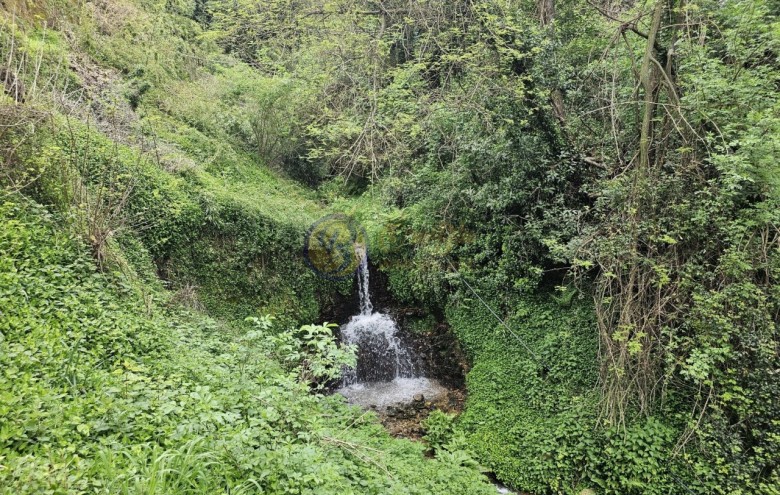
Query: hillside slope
[103,394]
[136,236]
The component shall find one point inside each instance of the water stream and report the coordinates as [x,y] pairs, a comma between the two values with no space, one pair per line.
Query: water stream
[386,372]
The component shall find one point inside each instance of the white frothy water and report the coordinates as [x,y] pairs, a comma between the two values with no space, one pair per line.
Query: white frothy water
[386,372]
[398,391]
[376,336]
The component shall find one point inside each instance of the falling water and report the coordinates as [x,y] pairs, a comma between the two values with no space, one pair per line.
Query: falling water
[386,372]
[381,354]
[366,308]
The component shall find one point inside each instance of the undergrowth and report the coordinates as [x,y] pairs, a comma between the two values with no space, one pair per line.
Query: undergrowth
[100,395]
[126,215]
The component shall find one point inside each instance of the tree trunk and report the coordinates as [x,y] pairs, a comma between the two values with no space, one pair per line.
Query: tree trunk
[546,11]
[648,77]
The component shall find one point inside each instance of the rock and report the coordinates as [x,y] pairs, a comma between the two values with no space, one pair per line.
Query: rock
[419,398]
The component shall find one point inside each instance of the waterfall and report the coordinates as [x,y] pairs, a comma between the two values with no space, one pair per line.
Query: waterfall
[382,355]
[386,373]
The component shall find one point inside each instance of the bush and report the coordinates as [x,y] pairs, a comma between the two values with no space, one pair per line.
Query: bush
[439,428]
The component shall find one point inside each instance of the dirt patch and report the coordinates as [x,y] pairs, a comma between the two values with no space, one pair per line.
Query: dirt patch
[101,99]
[405,420]
[112,16]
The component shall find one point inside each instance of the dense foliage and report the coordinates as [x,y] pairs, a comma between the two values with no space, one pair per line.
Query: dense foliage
[630,152]
[121,222]
[103,396]
[586,191]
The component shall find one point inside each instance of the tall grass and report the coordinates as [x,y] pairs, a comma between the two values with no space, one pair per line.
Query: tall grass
[150,469]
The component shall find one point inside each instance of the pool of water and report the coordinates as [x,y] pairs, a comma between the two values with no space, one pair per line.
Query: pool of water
[380,395]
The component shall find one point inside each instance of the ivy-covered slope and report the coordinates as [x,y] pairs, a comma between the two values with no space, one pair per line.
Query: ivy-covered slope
[105,392]
[124,102]
[532,411]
